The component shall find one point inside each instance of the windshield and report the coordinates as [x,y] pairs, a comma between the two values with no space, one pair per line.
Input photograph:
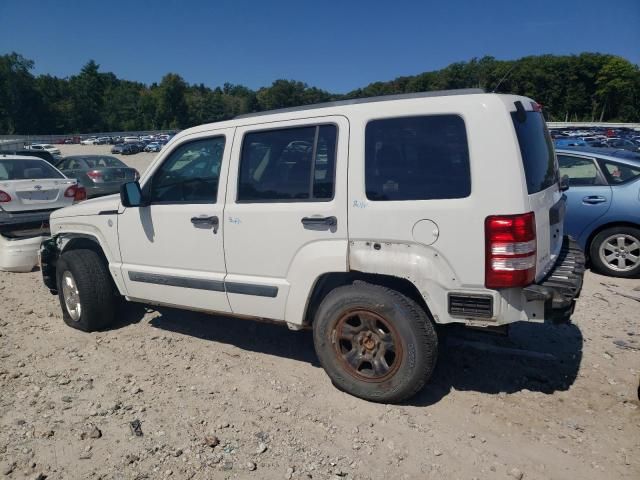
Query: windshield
[27,170]
[538,157]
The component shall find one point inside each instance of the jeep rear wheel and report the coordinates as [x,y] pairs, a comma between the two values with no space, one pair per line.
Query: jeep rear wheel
[85,290]
[374,342]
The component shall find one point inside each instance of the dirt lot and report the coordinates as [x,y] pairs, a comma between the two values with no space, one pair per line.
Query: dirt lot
[224,398]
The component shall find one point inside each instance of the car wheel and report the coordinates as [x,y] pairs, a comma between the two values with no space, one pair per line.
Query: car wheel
[374,342]
[616,252]
[85,290]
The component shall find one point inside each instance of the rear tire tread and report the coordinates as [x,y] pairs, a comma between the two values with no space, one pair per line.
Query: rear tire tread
[419,323]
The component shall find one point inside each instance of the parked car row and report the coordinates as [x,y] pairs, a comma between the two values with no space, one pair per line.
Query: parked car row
[599,137]
[117,140]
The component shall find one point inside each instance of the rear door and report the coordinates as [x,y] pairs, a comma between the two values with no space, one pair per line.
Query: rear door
[542,179]
[588,197]
[287,196]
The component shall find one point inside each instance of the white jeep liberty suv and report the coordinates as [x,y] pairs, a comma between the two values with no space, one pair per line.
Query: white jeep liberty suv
[370,221]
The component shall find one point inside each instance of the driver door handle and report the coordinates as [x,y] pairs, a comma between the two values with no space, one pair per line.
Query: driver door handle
[204,221]
[329,221]
[593,199]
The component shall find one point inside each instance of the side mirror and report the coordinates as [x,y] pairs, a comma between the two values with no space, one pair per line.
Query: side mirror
[131,195]
[564,183]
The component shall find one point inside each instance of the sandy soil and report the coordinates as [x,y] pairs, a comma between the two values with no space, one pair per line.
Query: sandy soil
[226,398]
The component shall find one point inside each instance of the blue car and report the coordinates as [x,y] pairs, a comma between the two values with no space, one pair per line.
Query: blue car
[570,142]
[603,206]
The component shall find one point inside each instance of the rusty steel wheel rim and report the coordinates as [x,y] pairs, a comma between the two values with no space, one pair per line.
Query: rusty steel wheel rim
[367,345]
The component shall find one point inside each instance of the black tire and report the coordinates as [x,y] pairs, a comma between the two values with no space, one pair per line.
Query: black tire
[393,316]
[94,287]
[631,235]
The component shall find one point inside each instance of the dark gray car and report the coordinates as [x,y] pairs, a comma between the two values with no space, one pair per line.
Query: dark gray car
[98,174]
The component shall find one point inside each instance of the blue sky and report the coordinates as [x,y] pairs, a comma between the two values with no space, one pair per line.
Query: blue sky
[335,45]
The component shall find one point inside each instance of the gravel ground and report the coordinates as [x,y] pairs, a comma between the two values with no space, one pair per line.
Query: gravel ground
[225,398]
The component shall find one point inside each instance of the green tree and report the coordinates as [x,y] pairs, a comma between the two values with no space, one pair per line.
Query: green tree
[172,109]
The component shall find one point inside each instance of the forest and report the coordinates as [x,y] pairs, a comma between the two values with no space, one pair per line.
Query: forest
[584,87]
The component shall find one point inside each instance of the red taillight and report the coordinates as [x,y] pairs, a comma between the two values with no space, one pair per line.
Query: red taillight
[81,194]
[510,250]
[95,175]
[77,192]
[4,197]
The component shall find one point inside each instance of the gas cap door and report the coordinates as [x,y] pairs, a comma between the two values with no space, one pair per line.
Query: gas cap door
[425,232]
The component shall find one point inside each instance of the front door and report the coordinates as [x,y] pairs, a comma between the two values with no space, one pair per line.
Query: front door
[172,249]
[588,197]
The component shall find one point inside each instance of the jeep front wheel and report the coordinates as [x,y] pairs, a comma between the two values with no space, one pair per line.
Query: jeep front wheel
[374,342]
[85,290]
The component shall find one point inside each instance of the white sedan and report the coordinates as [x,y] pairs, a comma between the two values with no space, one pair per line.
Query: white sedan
[30,189]
[52,149]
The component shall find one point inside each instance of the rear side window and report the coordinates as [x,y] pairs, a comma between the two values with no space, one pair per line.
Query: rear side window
[286,165]
[538,158]
[27,170]
[417,158]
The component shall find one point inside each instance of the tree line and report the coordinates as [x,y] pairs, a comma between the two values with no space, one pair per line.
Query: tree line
[585,87]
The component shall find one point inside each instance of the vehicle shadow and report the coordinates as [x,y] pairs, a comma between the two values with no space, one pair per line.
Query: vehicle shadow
[537,357]
[260,337]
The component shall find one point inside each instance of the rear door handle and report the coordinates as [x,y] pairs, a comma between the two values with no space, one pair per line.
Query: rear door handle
[204,221]
[593,199]
[315,221]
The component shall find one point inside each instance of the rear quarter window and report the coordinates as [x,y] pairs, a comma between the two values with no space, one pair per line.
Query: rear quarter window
[536,148]
[417,158]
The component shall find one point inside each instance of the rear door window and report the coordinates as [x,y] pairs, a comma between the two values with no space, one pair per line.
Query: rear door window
[417,158]
[618,173]
[582,172]
[288,165]
[536,148]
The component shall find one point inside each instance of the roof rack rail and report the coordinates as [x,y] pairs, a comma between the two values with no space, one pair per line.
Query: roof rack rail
[356,101]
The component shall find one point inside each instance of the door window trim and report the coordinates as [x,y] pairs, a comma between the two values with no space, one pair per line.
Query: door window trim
[602,181]
[148,186]
[315,125]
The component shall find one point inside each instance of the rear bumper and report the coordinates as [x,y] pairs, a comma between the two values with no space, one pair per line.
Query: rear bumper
[11,222]
[562,285]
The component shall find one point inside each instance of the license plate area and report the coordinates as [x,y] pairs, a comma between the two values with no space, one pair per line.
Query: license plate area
[39,195]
